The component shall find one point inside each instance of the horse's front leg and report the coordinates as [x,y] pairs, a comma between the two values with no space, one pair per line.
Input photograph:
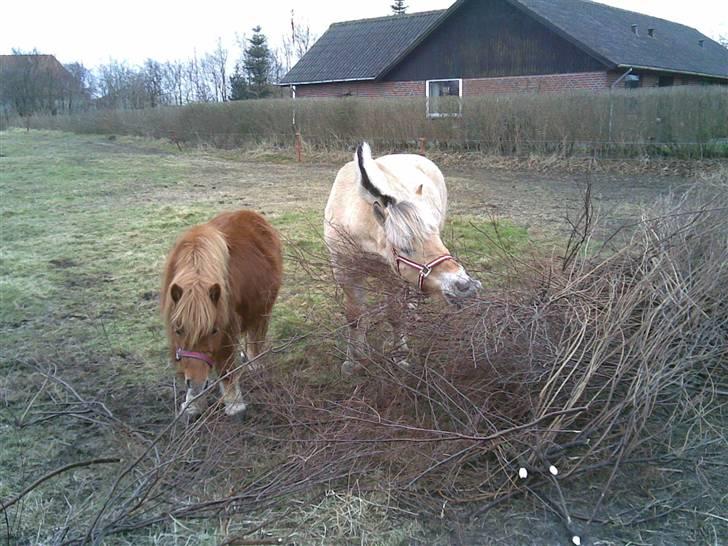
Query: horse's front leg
[231,395]
[356,338]
[230,387]
[397,317]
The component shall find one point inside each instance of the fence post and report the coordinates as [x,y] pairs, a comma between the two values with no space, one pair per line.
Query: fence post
[422,142]
[298,146]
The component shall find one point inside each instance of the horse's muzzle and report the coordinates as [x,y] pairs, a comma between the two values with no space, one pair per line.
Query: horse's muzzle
[461,290]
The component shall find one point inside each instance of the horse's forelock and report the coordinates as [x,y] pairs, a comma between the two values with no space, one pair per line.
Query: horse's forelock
[407,225]
[196,313]
[201,263]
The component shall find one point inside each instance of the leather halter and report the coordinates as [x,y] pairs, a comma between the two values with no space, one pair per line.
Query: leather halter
[179,354]
[424,270]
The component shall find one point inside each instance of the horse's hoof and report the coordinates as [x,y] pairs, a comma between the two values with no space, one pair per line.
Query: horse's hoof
[254,366]
[235,409]
[350,367]
[403,364]
[191,410]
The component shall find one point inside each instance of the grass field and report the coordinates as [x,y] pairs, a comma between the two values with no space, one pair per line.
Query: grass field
[86,222]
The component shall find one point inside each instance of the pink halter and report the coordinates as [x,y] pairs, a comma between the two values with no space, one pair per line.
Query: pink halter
[179,354]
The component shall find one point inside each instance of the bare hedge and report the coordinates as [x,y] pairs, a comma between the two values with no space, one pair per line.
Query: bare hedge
[692,121]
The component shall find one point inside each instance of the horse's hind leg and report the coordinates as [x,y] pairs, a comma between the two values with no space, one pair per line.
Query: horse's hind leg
[255,342]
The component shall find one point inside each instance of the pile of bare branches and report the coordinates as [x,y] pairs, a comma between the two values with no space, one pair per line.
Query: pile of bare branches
[571,370]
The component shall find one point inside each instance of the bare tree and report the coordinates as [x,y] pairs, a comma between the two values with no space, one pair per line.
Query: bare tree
[173,77]
[295,44]
[81,89]
[153,82]
[198,90]
[220,57]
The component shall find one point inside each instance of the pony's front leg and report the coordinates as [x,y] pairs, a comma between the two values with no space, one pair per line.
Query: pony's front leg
[356,338]
[231,395]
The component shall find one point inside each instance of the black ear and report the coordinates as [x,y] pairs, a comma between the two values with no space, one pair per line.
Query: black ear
[215,293]
[176,292]
[379,213]
[363,152]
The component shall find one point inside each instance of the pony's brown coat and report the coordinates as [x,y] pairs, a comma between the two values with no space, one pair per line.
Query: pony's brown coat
[240,252]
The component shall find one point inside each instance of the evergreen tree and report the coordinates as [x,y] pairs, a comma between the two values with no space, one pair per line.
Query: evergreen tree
[257,64]
[399,7]
[239,89]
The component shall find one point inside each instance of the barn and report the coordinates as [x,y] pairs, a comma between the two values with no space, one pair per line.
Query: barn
[503,46]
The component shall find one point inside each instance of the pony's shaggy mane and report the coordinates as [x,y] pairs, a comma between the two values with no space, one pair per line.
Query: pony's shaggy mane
[200,263]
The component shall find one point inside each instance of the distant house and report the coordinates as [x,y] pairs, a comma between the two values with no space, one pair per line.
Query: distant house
[36,83]
[495,46]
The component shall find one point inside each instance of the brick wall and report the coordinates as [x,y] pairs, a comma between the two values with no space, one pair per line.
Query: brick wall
[550,83]
[362,89]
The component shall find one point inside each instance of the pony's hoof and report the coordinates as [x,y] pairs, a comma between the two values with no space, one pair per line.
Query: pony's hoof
[254,366]
[191,410]
[350,367]
[235,409]
[189,414]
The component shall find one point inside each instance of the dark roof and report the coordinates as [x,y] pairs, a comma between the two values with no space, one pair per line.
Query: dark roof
[363,49]
[36,61]
[606,32]
[368,48]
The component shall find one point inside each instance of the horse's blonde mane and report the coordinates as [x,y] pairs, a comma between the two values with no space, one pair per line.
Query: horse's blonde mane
[408,225]
[200,262]
[410,220]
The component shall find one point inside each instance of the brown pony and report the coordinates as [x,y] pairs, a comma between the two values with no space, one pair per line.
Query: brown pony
[221,280]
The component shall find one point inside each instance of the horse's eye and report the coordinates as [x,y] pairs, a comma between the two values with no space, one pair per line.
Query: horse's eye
[179,331]
[214,331]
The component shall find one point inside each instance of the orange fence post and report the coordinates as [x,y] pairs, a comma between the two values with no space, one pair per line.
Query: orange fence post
[298,146]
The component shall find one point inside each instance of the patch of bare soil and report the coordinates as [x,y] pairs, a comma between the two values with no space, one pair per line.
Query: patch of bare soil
[542,202]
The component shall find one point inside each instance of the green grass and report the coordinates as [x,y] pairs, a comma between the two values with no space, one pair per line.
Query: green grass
[86,226]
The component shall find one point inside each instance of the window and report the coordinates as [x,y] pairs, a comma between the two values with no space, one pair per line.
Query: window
[633,81]
[444,98]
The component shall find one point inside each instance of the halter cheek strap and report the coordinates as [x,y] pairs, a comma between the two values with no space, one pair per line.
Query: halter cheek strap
[180,353]
[424,270]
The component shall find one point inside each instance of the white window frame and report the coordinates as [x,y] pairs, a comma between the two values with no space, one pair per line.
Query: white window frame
[460,98]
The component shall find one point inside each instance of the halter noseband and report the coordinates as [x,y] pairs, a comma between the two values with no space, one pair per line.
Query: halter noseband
[424,270]
[179,354]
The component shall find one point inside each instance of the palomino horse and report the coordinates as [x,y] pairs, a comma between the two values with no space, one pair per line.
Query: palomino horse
[220,281]
[392,209]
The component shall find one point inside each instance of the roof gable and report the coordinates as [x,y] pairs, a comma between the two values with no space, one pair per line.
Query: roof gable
[363,49]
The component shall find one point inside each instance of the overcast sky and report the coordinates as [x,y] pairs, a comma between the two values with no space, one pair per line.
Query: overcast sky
[94,32]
